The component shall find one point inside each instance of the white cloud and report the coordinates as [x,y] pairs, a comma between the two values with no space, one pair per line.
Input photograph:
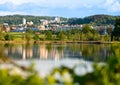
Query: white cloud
[56,3]
[112,5]
[16,2]
[11,13]
[52,7]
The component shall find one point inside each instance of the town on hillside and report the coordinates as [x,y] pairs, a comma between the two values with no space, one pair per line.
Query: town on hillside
[54,24]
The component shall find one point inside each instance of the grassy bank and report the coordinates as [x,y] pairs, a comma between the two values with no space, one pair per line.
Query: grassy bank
[23,38]
[20,41]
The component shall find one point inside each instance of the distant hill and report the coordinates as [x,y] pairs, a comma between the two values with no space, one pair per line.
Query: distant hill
[17,19]
[95,19]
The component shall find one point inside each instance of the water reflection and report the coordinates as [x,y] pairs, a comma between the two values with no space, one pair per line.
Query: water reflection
[57,52]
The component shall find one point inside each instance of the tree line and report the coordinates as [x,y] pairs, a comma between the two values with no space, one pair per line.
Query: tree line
[17,19]
[95,19]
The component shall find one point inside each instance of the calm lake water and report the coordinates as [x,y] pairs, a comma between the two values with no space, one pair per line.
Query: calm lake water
[56,52]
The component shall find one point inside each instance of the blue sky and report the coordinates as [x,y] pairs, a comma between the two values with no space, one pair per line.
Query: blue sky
[64,8]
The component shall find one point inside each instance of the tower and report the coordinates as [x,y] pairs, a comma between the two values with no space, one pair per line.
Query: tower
[24,21]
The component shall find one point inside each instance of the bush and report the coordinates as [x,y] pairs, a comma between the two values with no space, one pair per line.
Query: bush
[106,74]
[28,37]
[8,37]
[61,35]
[48,35]
[36,37]
[1,36]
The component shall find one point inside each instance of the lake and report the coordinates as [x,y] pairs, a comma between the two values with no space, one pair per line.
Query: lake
[48,56]
[56,52]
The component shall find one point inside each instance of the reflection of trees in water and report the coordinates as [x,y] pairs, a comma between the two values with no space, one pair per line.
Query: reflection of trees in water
[29,51]
[98,52]
[60,48]
[54,51]
[1,51]
[116,49]
[49,47]
[7,49]
[92,51]
[12,50]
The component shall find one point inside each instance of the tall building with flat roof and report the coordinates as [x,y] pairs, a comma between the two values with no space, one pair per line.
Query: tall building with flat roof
[24,21]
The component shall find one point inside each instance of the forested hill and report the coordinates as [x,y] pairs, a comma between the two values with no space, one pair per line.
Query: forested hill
[17,19]
[95,19]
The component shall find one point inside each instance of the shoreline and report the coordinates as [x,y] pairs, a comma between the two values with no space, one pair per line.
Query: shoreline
[59,42]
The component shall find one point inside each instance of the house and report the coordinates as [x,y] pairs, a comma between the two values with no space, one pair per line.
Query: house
[6,27]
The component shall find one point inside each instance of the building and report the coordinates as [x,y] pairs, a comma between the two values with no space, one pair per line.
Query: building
[41,27]
[44,22]
[30,23]
[6,27]
[24,21]
[13,27]
[57,19]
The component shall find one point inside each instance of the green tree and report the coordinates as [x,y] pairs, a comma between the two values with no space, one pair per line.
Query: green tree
[86,29]
[61,35]
[89,33]
[48,35]
[1,28]
[1,34]
[116,31]
[8,37]
[36,37]
[28,37]
[109,29]
[28,30]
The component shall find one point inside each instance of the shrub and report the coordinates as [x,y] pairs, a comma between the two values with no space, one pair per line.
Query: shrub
[8,37]
[36,37]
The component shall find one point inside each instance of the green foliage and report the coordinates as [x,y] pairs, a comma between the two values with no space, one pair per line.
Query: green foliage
[28,30]
[17,19]
[61,35]
[8,79]
[36,37]
[116,31]
[89,33]
[34,80]
[86,29]
[109,29]
[95,19]
[28,37]
[8,37]
[48,35]
[75,34]
[1,36]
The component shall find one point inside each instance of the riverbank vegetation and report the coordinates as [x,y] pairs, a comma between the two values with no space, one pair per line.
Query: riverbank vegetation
[86,34]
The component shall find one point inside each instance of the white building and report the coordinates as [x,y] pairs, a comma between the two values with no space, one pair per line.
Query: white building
[44,22]
[30,23]
[24,21]
[57,19]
